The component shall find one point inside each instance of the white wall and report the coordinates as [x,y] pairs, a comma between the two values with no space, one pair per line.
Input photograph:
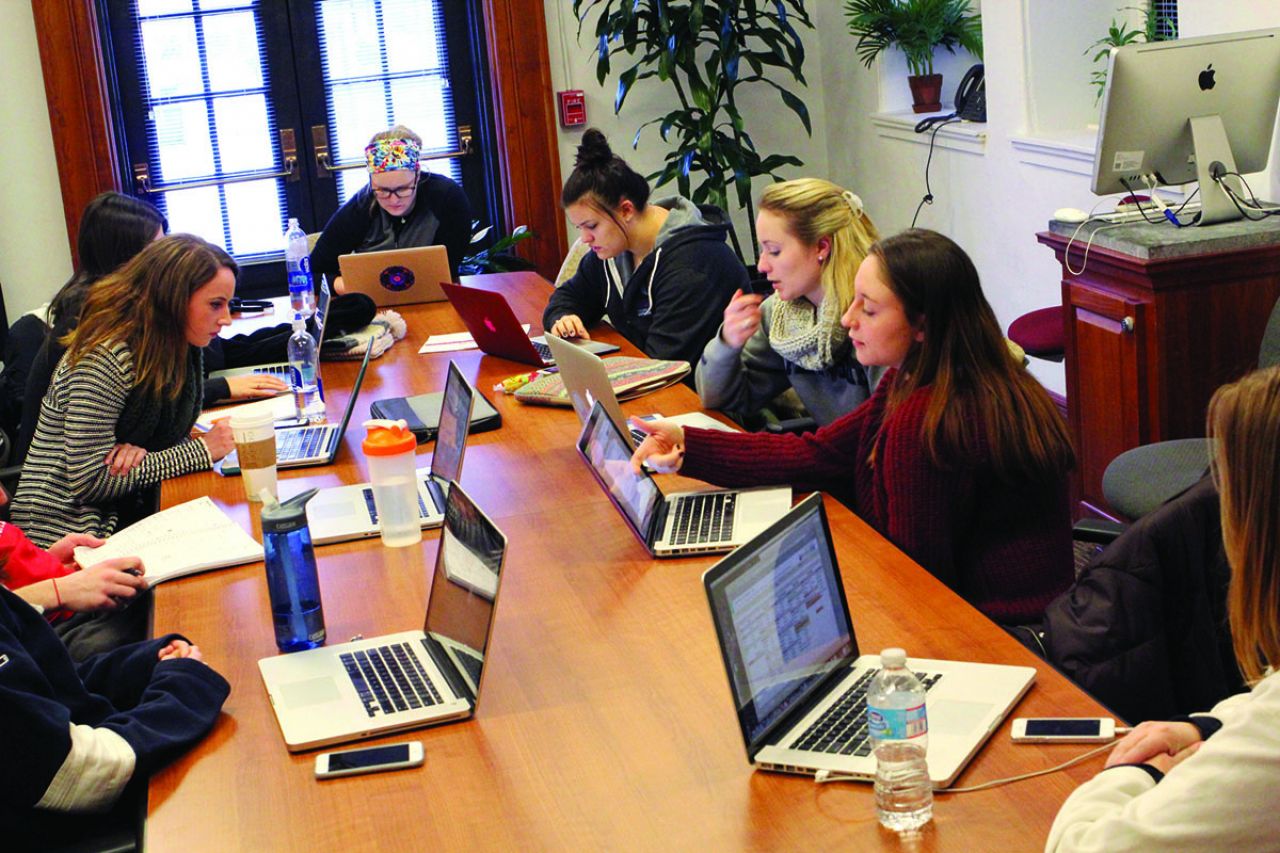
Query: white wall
[34,256]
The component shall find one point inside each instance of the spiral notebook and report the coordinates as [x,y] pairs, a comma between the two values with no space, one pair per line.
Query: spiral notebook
[630,377]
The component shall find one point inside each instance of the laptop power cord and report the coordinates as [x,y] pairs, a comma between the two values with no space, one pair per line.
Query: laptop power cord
[823,776]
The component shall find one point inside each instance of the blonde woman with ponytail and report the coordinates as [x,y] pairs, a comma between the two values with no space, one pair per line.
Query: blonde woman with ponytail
[813,236]
[1208,781]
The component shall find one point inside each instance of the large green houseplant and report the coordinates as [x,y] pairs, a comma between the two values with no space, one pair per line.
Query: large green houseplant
[917,28]
[708,52]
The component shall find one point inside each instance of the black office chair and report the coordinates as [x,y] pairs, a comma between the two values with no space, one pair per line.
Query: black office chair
[1139,480]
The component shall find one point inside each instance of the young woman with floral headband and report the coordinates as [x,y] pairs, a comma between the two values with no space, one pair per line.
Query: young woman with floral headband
[401,207]
[813,236]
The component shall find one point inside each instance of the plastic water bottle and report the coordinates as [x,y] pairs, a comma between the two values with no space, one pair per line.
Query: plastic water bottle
[297,262]
[899,729]
[389,449]
[292,582]
[303,358]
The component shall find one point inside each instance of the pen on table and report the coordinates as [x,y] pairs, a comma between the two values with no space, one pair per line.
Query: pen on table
[513,383]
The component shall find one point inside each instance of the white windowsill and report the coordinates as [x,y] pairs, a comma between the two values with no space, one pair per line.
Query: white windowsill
[965,136]
[1070,152]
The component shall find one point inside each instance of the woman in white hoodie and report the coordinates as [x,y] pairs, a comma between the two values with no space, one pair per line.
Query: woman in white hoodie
[1209,782]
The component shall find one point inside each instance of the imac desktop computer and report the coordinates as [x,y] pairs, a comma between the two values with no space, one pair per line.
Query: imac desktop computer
[1196,109]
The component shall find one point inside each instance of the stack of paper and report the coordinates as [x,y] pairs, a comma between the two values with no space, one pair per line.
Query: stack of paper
[454,342]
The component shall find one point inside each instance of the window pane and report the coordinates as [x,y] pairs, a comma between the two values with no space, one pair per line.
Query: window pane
[182,140]
[244,133]
[209,5]
[254,211]
[172,57]
[196,212]
[356,53]
[231,51]
[162,7]
[358,112]
[412,42]
[423,104]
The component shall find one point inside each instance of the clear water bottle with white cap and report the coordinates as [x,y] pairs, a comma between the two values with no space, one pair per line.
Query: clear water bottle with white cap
[898,723]
[297,263]
[304,372]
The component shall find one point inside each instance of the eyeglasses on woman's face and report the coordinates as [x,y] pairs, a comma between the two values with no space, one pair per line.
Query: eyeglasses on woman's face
[395,192]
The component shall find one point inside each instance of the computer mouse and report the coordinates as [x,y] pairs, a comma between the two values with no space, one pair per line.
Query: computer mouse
[1070,214]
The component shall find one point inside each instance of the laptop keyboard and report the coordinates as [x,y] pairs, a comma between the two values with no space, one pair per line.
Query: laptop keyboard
[842,728]
[373,506]
[470,663]
[389,679]
[280,370]
[303,443]
[543,350]
[703,518]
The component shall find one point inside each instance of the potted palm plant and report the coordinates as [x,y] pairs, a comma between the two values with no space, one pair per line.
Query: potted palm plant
[917,28]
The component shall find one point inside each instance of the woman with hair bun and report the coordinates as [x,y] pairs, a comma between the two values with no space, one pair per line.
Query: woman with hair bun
[660,271]
[813,237]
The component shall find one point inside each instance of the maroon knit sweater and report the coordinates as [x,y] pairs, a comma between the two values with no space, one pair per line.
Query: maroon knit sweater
[1004,548]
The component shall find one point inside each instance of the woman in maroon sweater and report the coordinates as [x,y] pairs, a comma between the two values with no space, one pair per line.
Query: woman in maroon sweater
[959,457]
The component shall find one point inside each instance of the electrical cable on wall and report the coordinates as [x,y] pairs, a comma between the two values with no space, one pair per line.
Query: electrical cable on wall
[928,190]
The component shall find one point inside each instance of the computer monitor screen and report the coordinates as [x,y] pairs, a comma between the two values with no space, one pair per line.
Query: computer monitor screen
[1177,109]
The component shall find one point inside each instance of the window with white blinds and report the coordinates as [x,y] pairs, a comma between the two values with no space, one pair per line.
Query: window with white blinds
[209,117]
[1166,18]
[385,62]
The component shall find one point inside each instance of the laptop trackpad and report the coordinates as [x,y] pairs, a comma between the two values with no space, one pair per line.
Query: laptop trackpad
[313,691]
[953,717]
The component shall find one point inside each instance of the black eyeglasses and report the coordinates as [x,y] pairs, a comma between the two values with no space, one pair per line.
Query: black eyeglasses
[396,192]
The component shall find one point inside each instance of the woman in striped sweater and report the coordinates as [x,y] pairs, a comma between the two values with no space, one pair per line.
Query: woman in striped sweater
[132,375]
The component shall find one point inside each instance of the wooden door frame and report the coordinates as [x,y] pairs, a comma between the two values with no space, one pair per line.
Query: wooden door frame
[77,87]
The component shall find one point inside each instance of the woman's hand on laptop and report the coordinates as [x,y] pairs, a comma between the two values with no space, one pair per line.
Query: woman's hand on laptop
[662,448]
[218,440]
[253,385]
[570,326]
[339,286]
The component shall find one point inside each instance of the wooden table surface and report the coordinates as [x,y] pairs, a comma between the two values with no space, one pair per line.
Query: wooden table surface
[606,720]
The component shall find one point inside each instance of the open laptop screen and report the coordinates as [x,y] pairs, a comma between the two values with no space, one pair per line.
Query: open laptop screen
[610,455]
[780,612]
[464,588]
[455,420]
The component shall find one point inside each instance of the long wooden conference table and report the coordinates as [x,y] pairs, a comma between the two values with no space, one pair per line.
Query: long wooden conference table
[606,720]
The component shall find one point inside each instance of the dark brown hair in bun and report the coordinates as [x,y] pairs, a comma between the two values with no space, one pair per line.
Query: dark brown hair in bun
[602,177]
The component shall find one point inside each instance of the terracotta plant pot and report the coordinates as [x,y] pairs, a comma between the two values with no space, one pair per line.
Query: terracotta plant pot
[926,93]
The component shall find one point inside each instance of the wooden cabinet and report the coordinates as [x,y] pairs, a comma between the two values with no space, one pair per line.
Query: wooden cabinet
[1152,329]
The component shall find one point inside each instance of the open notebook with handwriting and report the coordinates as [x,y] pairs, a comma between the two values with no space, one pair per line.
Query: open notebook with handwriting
[191,537]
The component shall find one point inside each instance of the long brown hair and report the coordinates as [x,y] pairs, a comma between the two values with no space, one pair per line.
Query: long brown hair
[978,388]
[814,208]
[1244,418]
[144,304]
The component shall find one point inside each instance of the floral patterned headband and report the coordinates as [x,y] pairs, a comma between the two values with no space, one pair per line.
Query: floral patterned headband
[392,155]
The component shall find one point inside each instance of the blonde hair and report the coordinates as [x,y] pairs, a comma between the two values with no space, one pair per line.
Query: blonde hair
[814,208]
[397,132]
[144,305]
[1244,418]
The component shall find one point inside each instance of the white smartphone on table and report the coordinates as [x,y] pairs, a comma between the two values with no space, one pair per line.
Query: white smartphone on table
[1063,729]
[368,759]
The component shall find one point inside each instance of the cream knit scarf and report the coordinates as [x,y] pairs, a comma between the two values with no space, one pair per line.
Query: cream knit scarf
[807,335]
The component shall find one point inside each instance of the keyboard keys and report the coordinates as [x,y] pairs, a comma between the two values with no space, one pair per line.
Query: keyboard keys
[389,679]
[705,518]
[842,728]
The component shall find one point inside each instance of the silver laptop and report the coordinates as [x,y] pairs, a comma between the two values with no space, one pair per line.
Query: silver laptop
[586,380]
[348,512]
[280,369]
[371,687]
[308,446]
[797,680]
[397,276]
[697,522]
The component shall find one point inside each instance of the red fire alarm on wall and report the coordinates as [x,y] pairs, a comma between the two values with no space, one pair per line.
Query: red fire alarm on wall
[573,108]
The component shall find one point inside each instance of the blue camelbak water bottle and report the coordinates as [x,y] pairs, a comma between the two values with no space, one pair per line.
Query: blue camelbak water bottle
[292,581]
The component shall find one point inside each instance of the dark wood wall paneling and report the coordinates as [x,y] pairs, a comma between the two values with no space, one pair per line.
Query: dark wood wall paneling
[76,86]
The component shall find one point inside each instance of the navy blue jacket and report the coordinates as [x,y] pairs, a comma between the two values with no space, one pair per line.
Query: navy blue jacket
[160,708]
